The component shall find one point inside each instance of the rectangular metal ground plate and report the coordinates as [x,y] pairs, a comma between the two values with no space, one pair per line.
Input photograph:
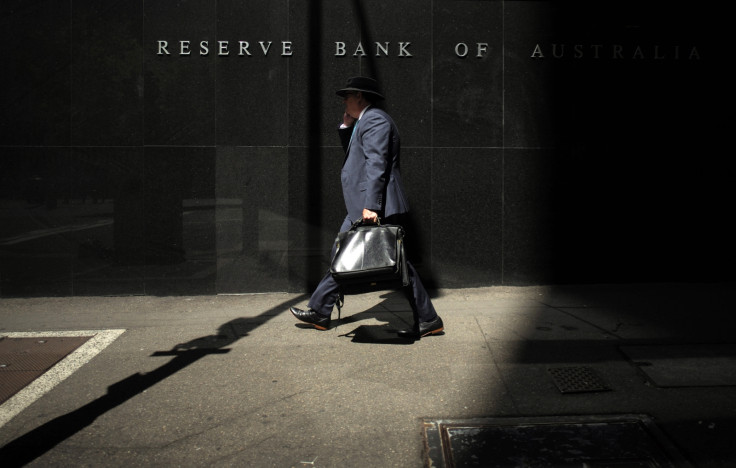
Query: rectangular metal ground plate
[620,441]
[22,360]
[577,379]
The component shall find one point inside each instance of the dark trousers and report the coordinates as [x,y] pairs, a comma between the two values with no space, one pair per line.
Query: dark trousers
[327,292]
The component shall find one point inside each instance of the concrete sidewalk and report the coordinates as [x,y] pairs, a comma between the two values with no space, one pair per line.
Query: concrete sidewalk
[236,381]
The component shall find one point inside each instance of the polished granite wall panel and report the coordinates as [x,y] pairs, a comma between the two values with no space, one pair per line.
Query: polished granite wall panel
[614,99]
[180,90]
[36,249]
[416,172]
[35,82]
[252,219]
[552,46]
[179,214]
[72,221]
[611,73]
[316,212]
[530,116]
[467,74]
[107,73]
[405,80]
[563,228]
[107,199]
[467,218]
[252,87]
[314,111]
[532,220]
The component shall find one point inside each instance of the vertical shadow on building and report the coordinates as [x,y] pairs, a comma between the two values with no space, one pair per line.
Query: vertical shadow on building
[366,38]
[313,176]
[37,442]
[313,179]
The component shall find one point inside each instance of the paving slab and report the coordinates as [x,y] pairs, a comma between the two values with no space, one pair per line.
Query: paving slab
[686,365]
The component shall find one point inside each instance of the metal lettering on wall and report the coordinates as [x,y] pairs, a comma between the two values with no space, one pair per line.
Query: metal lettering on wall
[461,49]
[342,49]
[615,52]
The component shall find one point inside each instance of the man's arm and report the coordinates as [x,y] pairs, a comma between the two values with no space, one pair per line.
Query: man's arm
[375,137]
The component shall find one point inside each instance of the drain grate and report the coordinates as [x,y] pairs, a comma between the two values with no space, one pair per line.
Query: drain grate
[22,360]
[577,379]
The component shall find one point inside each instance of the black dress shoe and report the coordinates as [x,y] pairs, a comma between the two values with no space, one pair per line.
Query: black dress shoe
[320,322]
[423,329]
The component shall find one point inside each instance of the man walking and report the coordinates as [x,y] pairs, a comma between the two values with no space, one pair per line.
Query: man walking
[373,190]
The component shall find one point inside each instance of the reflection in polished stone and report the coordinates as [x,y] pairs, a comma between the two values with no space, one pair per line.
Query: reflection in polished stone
[252,220]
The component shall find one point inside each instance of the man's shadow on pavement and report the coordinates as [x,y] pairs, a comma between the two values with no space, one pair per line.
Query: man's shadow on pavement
[378,334]
[37,442]
[385,333]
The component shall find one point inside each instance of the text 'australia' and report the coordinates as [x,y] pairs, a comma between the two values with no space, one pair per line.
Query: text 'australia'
[615,52]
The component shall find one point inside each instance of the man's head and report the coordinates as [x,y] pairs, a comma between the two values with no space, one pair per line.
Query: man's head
[359,93]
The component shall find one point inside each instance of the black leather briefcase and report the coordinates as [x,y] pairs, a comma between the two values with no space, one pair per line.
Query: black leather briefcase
[370,254]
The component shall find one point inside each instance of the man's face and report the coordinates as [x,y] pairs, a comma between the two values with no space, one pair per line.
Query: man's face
[354,104]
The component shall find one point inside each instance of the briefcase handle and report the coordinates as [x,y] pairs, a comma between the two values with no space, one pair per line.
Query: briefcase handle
[360,223]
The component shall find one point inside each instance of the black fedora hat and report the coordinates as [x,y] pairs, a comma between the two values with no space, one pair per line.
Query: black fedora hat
[362,84]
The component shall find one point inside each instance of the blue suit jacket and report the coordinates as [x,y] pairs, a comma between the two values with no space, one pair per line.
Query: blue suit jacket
[371,175]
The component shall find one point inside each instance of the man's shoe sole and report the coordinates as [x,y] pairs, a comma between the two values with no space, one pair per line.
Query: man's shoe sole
[433,332]
[318,327]
[414,335]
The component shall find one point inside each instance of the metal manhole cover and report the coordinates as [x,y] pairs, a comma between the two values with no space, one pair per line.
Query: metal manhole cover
[595,441]
[22,360]
[12,382]
[577,379]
